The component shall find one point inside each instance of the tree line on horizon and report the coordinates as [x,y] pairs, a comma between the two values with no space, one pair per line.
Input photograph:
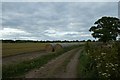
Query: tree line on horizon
[47,41]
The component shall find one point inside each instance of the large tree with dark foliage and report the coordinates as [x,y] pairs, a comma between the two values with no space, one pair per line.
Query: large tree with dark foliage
[106,29]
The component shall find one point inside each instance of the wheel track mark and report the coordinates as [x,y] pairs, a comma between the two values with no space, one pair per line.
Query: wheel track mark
[48,69]
[71,68]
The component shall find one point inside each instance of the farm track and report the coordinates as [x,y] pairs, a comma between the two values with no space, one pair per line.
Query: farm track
[22,57]
[54,68]
[71,68]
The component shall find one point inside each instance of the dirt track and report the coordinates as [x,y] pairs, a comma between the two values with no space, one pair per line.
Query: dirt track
[70,71]
[56,67]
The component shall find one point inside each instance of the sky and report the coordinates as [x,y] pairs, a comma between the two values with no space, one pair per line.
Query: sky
[60,0]
[52,20]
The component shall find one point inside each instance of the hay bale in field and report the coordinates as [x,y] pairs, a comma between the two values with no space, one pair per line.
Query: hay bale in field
[58,47]
[49,48]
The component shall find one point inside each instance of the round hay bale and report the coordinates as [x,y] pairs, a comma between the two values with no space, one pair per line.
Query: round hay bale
[57,47]
[49,48]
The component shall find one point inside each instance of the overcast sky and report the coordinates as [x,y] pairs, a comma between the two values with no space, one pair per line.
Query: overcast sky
[52,20]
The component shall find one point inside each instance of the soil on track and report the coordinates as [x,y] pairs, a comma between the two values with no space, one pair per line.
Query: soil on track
[71,68]
[22,57]
[55,68]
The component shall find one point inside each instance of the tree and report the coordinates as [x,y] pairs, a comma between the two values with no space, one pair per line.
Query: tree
[88,40]
[106,29]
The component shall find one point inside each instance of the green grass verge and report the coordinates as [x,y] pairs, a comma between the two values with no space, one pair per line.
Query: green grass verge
[23,67]
[99,61]
[86,68]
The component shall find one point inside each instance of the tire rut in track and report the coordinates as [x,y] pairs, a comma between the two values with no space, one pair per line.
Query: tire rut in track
[48,70]
[71,68]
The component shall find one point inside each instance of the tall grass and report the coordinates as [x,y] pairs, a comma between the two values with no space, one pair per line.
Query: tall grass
[104,60]
[86,67]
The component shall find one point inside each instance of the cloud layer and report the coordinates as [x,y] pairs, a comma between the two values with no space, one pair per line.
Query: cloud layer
[52,20]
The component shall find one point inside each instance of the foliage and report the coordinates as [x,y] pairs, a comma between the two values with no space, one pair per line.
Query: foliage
[106,29]
[86,67]
[106,59]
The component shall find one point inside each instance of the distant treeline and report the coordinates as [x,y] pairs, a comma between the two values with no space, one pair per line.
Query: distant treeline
[47,41]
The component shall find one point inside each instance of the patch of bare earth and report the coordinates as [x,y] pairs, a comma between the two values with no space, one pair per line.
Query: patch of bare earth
[50,70]
[22,57]
[71,68]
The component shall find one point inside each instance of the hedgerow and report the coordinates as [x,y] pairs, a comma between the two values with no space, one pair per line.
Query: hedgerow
[105,59]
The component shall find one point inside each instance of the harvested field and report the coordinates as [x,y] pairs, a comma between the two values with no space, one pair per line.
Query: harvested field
[9,49]
[21,68]
[67,44]
[24,57]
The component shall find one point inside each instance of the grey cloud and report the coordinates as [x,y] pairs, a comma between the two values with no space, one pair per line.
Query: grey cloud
[37,17]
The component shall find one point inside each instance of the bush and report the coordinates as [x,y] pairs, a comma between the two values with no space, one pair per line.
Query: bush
[106,59]
[86,66]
